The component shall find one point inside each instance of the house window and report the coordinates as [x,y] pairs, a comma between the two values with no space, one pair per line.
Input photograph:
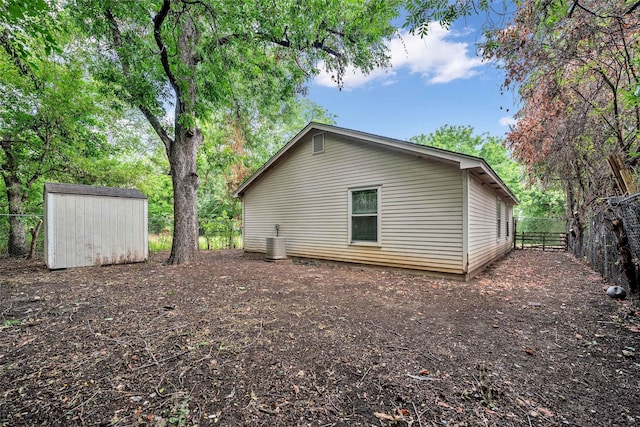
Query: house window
[508,223]
[364,216]
[499,216]
[318,143]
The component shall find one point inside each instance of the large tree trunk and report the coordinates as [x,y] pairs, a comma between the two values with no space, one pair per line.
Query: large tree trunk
[182,158]
[17,234]
[183,149]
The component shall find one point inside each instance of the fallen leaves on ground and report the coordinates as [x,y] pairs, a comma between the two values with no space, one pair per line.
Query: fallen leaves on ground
[232,340]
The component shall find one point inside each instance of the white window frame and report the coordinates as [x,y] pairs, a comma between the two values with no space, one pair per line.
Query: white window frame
[377,243]
[313,143]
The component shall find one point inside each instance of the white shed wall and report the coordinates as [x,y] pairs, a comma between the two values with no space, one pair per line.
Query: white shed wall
[83,230]
[307,195]
[484,244]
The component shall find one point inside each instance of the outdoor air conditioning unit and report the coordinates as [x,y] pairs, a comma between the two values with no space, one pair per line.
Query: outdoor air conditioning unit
[276,248]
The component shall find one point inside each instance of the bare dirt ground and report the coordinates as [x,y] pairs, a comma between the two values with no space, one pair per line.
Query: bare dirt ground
[233,340]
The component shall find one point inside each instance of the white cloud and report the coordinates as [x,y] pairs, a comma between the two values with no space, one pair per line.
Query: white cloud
[436,57]
[507,121]
[353,77]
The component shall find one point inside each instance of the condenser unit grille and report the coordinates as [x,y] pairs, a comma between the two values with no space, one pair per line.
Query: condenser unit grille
[276,248]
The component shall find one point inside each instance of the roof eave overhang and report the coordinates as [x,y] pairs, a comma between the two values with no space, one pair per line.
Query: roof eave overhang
[488,177]
[464,162]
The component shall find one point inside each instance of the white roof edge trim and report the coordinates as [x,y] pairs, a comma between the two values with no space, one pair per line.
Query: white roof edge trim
[464,161]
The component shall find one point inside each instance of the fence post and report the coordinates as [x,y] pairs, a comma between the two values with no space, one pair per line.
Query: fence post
[605,250]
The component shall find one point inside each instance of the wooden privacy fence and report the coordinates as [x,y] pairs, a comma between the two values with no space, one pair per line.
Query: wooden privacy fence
[547,241]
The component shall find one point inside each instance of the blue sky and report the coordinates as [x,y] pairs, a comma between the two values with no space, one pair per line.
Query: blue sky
[433,82]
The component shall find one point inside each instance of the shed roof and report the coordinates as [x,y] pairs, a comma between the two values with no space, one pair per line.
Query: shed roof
[475,165]
[90,190]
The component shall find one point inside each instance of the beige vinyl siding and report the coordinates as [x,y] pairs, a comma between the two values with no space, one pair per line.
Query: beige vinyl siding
[484,244]
[307,195]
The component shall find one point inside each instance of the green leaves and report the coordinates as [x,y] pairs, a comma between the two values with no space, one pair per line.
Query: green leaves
[27,20]
[423,12]
[54,116]
[460,139]
[18,11]
[248,52]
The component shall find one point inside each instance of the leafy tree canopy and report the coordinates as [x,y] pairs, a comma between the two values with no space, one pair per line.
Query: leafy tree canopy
[23,22]
[574,65]
[196,59]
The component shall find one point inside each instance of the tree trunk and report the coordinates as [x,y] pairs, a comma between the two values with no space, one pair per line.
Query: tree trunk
[35,231]
[17,234]
[577,234]
[182,158]
[628,266]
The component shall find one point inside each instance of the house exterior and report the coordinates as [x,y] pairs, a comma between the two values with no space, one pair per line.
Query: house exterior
[86,225]
[343,195]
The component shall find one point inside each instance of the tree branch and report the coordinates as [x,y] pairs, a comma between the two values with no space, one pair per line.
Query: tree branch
[11,141]
[591,12]
[612,126]
[22,67]
[284,42]
[117,40]
[40,165]
[158,20]
[617,128]
[316,45]
[157,126]
[632,8]
[126,70]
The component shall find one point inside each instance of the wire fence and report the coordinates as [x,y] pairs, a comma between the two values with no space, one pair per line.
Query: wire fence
[16,233]
[214,234]
[609,231]
[610,240]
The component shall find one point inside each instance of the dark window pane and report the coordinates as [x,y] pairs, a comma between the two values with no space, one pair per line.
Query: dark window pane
[364,202]
[364,228]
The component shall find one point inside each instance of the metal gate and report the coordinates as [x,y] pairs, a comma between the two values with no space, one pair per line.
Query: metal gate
[547,234]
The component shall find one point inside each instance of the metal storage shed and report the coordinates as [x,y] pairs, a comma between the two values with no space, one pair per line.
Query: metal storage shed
[86,225]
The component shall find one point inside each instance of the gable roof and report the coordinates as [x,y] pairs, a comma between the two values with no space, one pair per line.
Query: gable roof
[475,165]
